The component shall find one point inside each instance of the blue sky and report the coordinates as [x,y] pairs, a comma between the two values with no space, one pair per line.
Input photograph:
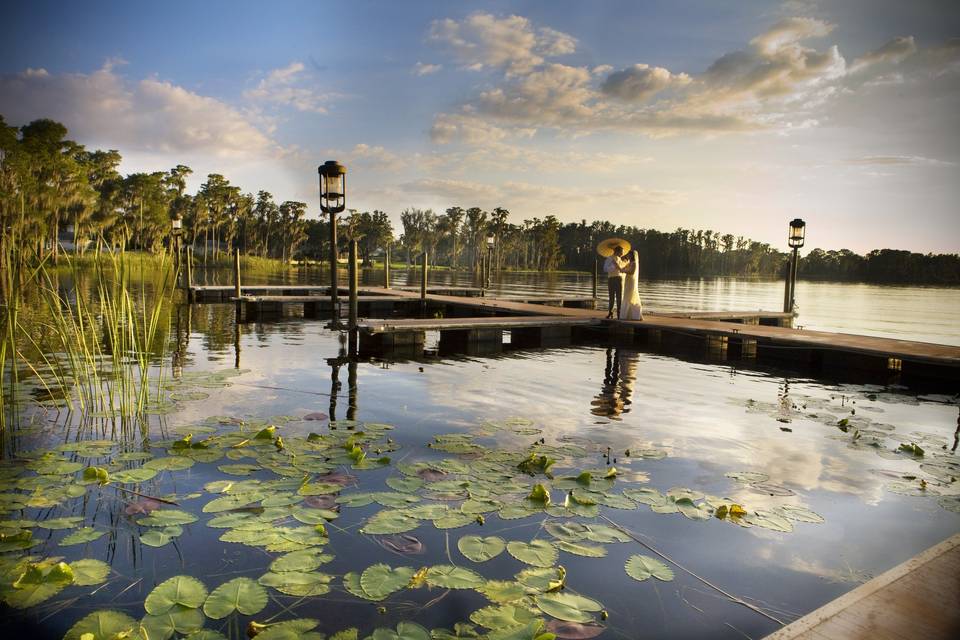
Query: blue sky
[730,116]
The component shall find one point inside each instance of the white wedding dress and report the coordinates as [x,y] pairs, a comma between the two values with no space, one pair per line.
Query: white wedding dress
[632,307]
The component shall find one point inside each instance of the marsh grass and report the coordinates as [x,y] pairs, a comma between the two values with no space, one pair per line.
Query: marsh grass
[97,346]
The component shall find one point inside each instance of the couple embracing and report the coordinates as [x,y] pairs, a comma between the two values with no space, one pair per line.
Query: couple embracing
[622,267]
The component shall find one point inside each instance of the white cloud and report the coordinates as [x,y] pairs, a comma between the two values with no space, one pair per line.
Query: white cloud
[104,108]
[898,160]
[482,40]
[367,156]
[641,82]
[425,69]
[789,32]
[286,87]
[892,52]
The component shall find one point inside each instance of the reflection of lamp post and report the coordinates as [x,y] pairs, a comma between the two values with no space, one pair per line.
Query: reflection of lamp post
[490,242]
[798,230]
[333,199]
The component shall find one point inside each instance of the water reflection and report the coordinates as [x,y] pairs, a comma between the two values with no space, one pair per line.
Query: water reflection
[619,376]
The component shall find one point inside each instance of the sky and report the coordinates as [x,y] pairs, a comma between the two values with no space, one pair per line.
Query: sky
[735,117]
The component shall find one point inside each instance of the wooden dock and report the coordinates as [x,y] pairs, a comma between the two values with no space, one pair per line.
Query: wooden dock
[467,321]
[917,599]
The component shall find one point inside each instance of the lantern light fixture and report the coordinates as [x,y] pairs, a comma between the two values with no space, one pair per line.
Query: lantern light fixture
[798,230]
[333,186]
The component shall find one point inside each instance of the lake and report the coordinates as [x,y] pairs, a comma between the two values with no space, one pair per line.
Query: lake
[450,490]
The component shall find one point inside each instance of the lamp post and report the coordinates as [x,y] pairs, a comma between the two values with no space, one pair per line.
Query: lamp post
[333,199]
[798,230]
[490,242]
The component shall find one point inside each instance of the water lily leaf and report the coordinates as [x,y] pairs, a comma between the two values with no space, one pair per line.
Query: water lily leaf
[405,484]
[516,511]
[351,582]
[769,520]
[603,534]
[380,580]
[481,549]
[533,630]
[538,553]
[319,488]
[406,630]
[67,522]
[170,463]
[297,583]
[400,543]
[313,516]
[304,560]
[502,590]
[177,619]
[346,634]
[581,549]
[950,503]
[454,520]
[133,476]
[800,514]
[178,590]
[88,572]
[687,507]
[390,521]
[570,531]
[167,518]
[451,577]
[233,501]
[643,567]
[290,630]
[86,534]
[102,624]
[474,506]
[240,594]
[568,606]
[502,616]
[39,582]
[160,537]
[564,630]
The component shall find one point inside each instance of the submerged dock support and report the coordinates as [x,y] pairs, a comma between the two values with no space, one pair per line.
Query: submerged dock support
[352,318]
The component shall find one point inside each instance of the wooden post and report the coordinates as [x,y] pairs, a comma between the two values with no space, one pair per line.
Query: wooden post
[786,287]
[236,273]
[386,269]
[334,279]
[189,253]
[794,267]
[596,278]
[423,279]
[352,322]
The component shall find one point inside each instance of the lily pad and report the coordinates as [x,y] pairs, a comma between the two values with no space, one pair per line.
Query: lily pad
[581,549]
[102,624]
[568,606]
[88,572]
[502,590]
[481,549]
[406,630]
[240,594]
[297,583]
[178,619]
[160,537]
[178,590]
[380,580]
[538,553]
[451,577]
[38,583]
[80,536]
[133,476]
[304,560]
[643,567]
[502,616]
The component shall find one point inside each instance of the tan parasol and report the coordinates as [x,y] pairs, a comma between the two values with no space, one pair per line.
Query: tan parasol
[605,248]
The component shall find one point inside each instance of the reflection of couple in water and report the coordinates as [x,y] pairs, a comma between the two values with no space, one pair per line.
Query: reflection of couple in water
[622,267]
[619,377]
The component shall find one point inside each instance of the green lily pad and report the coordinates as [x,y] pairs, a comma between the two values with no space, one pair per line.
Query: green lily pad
[405,631]
[68,522]
[643,567]
[177,619]
[290,630]
[102,624]
[481,549]
[38,583]
[297,583]
[502,590]
[502,616]
[178,590]
[538,553]
[568,606]
[133,476]
[88,572]
[86,534]
[167,518]
[800,514]
[170,463]
[390,521]
[451,577]
[404,484]
[380,580]
[581,549]
[240,594]
[305,560]
[454,520]
[769,520]
[160,537]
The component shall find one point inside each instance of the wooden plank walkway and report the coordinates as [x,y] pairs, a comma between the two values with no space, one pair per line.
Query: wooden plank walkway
[468,324]
[917,599]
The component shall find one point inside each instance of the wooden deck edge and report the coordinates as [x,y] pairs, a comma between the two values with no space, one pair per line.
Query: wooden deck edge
[851,598]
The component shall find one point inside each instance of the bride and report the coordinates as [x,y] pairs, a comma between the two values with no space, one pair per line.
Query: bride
[632,308]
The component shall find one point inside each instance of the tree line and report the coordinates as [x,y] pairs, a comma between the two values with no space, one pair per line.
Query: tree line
[48,182]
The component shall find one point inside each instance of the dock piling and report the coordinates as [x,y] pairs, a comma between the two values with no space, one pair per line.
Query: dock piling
[423,279]
[386,268]
[236,273]
[352,322]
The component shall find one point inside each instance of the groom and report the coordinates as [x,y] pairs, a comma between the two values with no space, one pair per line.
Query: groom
[613,266]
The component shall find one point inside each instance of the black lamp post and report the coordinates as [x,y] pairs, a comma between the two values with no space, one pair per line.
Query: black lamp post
[490,242]
[333,199]
[798,229]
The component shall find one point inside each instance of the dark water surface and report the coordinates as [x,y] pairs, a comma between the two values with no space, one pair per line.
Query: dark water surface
[826,446]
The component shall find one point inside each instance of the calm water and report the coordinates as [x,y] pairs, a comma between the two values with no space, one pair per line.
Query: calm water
[827,447]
